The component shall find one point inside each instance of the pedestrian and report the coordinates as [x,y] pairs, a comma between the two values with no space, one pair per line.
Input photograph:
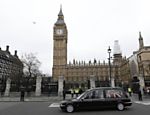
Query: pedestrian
[148,91]
[64,94]
[129,91]
[72,92]
[22,95]
[76,91]
[80,91]
[2,90]
[140,95]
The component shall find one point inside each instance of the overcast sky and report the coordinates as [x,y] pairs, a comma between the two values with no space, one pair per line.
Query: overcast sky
[93,25]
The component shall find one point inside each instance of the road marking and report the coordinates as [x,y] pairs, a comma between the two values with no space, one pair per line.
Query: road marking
[143,102]
[54,105]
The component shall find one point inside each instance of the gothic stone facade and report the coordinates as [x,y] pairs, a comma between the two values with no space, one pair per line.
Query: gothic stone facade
[10,67]
[143,60]
[136,66]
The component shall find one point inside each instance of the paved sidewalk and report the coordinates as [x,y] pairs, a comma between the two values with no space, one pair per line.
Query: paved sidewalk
[35,99]
[56,98]
[144,97]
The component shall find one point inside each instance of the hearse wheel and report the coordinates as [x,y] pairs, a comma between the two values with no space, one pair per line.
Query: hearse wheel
[69,108]
[120,106]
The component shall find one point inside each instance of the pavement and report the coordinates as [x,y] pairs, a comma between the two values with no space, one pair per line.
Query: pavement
[145,98]
[134,97]
[34,98]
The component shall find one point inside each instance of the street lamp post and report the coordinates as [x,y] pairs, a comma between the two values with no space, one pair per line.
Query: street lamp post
[109,51]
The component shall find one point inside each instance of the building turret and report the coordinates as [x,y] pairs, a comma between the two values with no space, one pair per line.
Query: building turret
[7,49]
[141,44]
[16,54]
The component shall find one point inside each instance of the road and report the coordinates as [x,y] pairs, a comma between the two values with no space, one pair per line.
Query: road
[47,108]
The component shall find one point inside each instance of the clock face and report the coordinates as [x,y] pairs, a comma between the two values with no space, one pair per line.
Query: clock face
[59,31]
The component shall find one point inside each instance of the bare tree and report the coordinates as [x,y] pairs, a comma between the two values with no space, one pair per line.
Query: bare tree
[31,65]
[31,69]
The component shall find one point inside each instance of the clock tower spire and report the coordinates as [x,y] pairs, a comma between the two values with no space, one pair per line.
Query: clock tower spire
[60,19]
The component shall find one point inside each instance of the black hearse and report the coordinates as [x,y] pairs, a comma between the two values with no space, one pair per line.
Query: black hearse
[98,98]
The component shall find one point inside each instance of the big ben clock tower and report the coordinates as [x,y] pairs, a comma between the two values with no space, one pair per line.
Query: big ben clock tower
[59,47]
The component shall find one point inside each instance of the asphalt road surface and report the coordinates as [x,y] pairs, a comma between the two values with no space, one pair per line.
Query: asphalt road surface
[47,108]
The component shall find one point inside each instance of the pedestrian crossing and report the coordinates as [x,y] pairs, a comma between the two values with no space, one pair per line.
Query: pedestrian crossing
[54,105]
[137,102]
[142,102]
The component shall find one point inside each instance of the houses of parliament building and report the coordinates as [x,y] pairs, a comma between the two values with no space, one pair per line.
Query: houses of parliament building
[78,74]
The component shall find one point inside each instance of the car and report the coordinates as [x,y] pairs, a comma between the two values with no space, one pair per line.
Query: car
[98,98]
